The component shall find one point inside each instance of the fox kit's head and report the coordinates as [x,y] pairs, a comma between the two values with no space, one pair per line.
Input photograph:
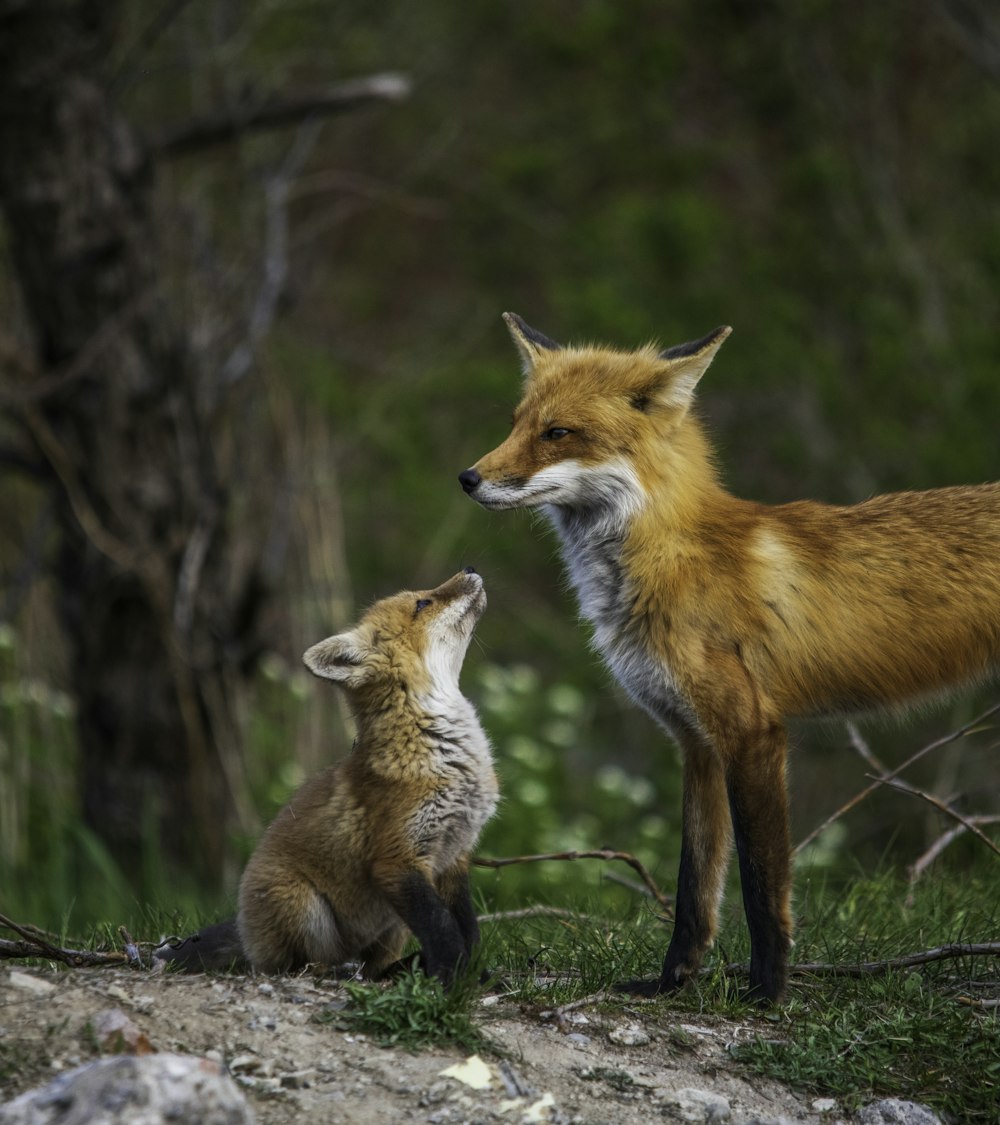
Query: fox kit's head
[415,640]
[593,424]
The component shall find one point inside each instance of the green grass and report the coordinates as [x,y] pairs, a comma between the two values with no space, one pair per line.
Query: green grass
[903,1033]
[415,1011]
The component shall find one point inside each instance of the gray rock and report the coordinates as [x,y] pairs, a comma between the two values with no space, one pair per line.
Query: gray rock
[148,1090]
[893,1111]
[699,1106]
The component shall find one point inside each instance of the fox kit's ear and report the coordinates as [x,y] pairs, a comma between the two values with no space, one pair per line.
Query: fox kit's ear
[530,343]
[340,658]
[686,363]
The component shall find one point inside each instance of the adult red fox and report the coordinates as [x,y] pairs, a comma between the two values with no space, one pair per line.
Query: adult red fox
[723,617]
[376,848]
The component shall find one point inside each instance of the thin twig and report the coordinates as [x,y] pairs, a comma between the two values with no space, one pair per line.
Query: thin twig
[904,787]
[920,865]
[602,853]
[859,797]
[537,911]
[559,1014]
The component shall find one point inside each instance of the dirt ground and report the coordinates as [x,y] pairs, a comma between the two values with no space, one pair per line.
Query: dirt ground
[637,1064]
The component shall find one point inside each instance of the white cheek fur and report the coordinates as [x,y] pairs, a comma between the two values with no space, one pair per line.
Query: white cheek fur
[570,484]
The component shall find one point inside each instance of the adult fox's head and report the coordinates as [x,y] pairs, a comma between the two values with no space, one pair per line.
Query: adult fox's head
[593,426]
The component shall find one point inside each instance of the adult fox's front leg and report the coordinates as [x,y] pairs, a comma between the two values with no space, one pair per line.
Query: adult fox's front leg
[705,846]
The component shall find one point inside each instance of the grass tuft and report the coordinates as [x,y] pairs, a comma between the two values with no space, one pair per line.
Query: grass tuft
[414,1011]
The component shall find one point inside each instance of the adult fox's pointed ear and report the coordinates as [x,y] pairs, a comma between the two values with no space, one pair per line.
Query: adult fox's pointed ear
[530,343]
[340,658]
[685,365]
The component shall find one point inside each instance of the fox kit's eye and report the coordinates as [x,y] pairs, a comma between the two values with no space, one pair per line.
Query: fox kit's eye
[422,603]
[555,433]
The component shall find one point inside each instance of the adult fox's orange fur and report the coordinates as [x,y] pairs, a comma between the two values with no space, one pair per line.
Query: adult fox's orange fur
[723,617]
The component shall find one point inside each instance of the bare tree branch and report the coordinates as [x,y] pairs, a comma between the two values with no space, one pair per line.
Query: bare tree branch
[274,274]
[967,822]
[945,740]
[920,865]
[278,113]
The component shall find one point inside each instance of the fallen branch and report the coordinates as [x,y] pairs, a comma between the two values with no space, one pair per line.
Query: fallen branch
[972,1002]
[907,961]
[34,944]
[601,853]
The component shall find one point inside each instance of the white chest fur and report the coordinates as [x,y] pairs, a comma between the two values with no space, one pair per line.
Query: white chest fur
[464,789]
[592,547]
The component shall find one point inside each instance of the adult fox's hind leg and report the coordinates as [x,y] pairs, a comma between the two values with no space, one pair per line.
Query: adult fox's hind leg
[758,799]
[705,846]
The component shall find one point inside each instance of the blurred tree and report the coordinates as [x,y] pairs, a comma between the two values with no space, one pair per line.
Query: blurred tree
[117,409]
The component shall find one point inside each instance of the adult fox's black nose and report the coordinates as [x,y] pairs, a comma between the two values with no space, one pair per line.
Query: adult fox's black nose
[469,480]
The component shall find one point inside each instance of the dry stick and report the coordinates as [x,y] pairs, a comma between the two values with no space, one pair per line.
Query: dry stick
[537,911]
[908,961]
[33,946]
[920,865]
[859,797]
[602,853]
[967,822]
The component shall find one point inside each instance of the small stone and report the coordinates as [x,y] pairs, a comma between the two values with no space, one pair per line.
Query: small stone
[629,1035]
[28,983]
[121,1091]
[701,1106]
[116,1034]
[824,1105]
[895,1111]
[298,1079]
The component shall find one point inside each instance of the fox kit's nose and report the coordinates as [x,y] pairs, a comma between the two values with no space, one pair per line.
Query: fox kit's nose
[469,480]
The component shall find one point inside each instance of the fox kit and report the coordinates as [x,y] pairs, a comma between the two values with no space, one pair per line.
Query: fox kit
[376,848]
[722,617]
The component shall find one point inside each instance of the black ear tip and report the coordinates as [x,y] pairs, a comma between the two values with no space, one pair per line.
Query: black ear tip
[469,570]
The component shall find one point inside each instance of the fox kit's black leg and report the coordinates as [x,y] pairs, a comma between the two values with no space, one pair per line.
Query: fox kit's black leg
[455,890]
[432,922]
[704,851]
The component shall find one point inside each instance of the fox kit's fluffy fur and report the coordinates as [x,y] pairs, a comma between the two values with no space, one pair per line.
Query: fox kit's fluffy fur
[377,848]
[723,617]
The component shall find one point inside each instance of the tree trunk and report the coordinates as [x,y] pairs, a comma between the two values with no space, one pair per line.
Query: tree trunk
[155,617]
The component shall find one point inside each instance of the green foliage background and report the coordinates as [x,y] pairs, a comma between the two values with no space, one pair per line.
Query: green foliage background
[822,176]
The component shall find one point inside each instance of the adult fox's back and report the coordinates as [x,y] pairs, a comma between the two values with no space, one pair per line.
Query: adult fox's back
[723,617]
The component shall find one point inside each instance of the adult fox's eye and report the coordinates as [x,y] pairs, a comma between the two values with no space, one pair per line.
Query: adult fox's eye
[422,603]
[555,433]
